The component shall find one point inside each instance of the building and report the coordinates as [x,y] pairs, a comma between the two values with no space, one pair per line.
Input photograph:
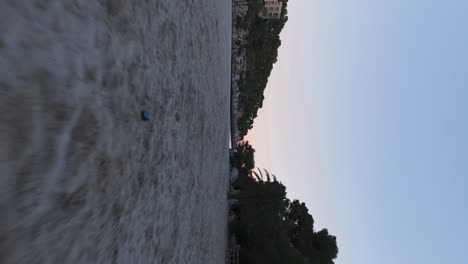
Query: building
[271,9]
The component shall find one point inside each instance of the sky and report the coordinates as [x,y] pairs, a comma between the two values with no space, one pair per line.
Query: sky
[366,121]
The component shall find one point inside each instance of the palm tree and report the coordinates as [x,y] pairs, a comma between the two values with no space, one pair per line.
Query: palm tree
[269,177]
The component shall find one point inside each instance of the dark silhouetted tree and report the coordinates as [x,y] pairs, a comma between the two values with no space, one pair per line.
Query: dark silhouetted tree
[244,156]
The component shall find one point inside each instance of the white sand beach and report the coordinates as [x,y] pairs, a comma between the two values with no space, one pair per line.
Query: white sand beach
[83,178]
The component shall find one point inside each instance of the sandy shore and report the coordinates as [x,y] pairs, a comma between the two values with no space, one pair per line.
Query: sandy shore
[84,180]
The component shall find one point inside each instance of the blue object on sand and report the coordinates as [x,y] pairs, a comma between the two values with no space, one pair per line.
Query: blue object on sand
[145,115]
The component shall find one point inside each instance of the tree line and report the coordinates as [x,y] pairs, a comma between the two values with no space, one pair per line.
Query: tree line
[271,228]
[262,46]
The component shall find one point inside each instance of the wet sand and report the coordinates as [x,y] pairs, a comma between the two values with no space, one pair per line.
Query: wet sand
[83,179]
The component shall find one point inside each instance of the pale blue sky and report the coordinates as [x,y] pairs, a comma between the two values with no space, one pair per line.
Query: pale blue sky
[366,120]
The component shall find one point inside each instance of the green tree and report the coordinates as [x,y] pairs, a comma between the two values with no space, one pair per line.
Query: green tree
[262,46]
[319,247]
[244,156]
[273,229]
[326,245]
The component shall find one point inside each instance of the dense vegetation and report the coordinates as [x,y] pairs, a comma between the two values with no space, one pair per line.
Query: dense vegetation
[244,156]
[273,229]
[262,50]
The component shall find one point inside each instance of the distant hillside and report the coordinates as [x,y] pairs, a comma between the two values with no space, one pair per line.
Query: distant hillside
[262,46]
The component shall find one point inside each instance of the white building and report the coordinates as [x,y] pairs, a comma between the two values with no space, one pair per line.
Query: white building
[271,9]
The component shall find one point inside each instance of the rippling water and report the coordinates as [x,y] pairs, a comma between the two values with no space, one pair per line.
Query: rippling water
[83,179]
